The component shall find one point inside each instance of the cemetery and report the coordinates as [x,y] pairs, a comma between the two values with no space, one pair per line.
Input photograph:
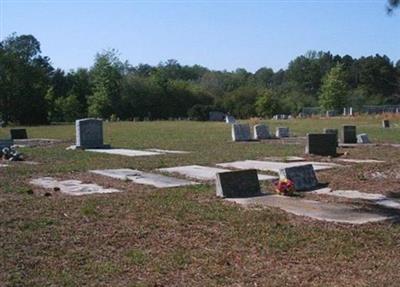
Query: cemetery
[173,174]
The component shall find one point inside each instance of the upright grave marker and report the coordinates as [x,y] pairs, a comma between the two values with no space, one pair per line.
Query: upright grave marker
[230,119]
[349,134]
[241,132]
[18,134]
[234,184]
[261,132]
[333,131]
[89,133]
[321,144]
[282,132]
[363,139]
[385,124]
[303,176]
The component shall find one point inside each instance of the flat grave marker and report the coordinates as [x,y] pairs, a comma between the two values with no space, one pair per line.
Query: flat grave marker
[140,177]
[125,152]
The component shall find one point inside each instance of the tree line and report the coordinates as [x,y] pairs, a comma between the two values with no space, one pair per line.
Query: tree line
[34,92]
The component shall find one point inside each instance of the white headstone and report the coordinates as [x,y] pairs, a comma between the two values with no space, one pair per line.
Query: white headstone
[241,132]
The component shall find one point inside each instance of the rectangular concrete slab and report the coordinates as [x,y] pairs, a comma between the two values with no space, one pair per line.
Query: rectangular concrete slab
[338,213]
[376,198]
[125,152]
[204,172]
[274,166]
[167,151]
[71,187]
[140,177]
[360,160]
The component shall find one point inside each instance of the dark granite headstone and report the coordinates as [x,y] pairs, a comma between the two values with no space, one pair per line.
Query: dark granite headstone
[333,131]
[18,134]
[241,132]
[385,124]
[321,144]
[216,116]
[241,183]
[261,132]
[303,176]
[363,139]
[89,133]
[349,134]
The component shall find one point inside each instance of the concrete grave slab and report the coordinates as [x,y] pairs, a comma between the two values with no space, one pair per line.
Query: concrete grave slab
[234,184]
[376,198]
[360,160]
[274,166]
[140,177]
[125,152]
[71,187]
[205,173]
[285,159]
[167,151]
[34,142]
[337,213]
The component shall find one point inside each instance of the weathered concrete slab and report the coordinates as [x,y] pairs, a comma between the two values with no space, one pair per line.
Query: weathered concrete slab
[285,159]
[376,198]
[125,152]
[71,187]
[204,172]
[3,165]
[34,142]
[140,177]
[360,160]
[274,166]
[338,213]
[167,151]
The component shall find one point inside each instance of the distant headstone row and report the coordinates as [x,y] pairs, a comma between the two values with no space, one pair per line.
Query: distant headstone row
[241,132]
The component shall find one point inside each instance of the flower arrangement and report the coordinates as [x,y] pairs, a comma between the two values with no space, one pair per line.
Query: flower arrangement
[285,186]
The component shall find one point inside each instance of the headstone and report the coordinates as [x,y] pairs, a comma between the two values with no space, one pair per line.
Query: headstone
[18,134]
[349,134]
[345,111]
[216,116]
[230,119]
[321,144]
[5,143]
[363,139]
[385,124]
[330,113]
[241,132]
[333,131]
[233,184]
[303,176]
[89,133]
[282,132]
[351,111]
[261,132]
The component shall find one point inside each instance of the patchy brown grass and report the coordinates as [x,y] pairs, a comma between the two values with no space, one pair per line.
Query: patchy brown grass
[184,236]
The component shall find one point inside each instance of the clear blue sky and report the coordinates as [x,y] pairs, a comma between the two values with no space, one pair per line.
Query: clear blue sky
[216,34]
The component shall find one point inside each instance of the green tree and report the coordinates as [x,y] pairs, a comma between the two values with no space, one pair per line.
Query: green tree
[266,104]
[334,89]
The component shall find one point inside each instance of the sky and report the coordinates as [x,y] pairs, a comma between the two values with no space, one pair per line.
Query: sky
[221,35]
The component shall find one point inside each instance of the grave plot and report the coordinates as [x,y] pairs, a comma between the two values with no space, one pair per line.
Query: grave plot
[125,152]
[36,142]
[71,187]
[360,160]
[274,166]
[338,213]
[167,151]
[140,177]
[375,198]
[205,173]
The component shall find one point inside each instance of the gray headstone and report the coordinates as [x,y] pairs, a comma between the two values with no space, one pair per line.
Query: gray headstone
[18,134]
[321,144]
[234,184]
[89,133]
[216,116]
[303,176]
[261,132]
[241,132]
[363,139]
[5,143]
[386,124]
[282,132]
[230,119]
[349,134]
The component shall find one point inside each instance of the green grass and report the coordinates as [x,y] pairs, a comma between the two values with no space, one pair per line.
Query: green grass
[186,236]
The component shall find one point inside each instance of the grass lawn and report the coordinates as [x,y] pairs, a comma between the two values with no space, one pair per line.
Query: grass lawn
[186,236]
